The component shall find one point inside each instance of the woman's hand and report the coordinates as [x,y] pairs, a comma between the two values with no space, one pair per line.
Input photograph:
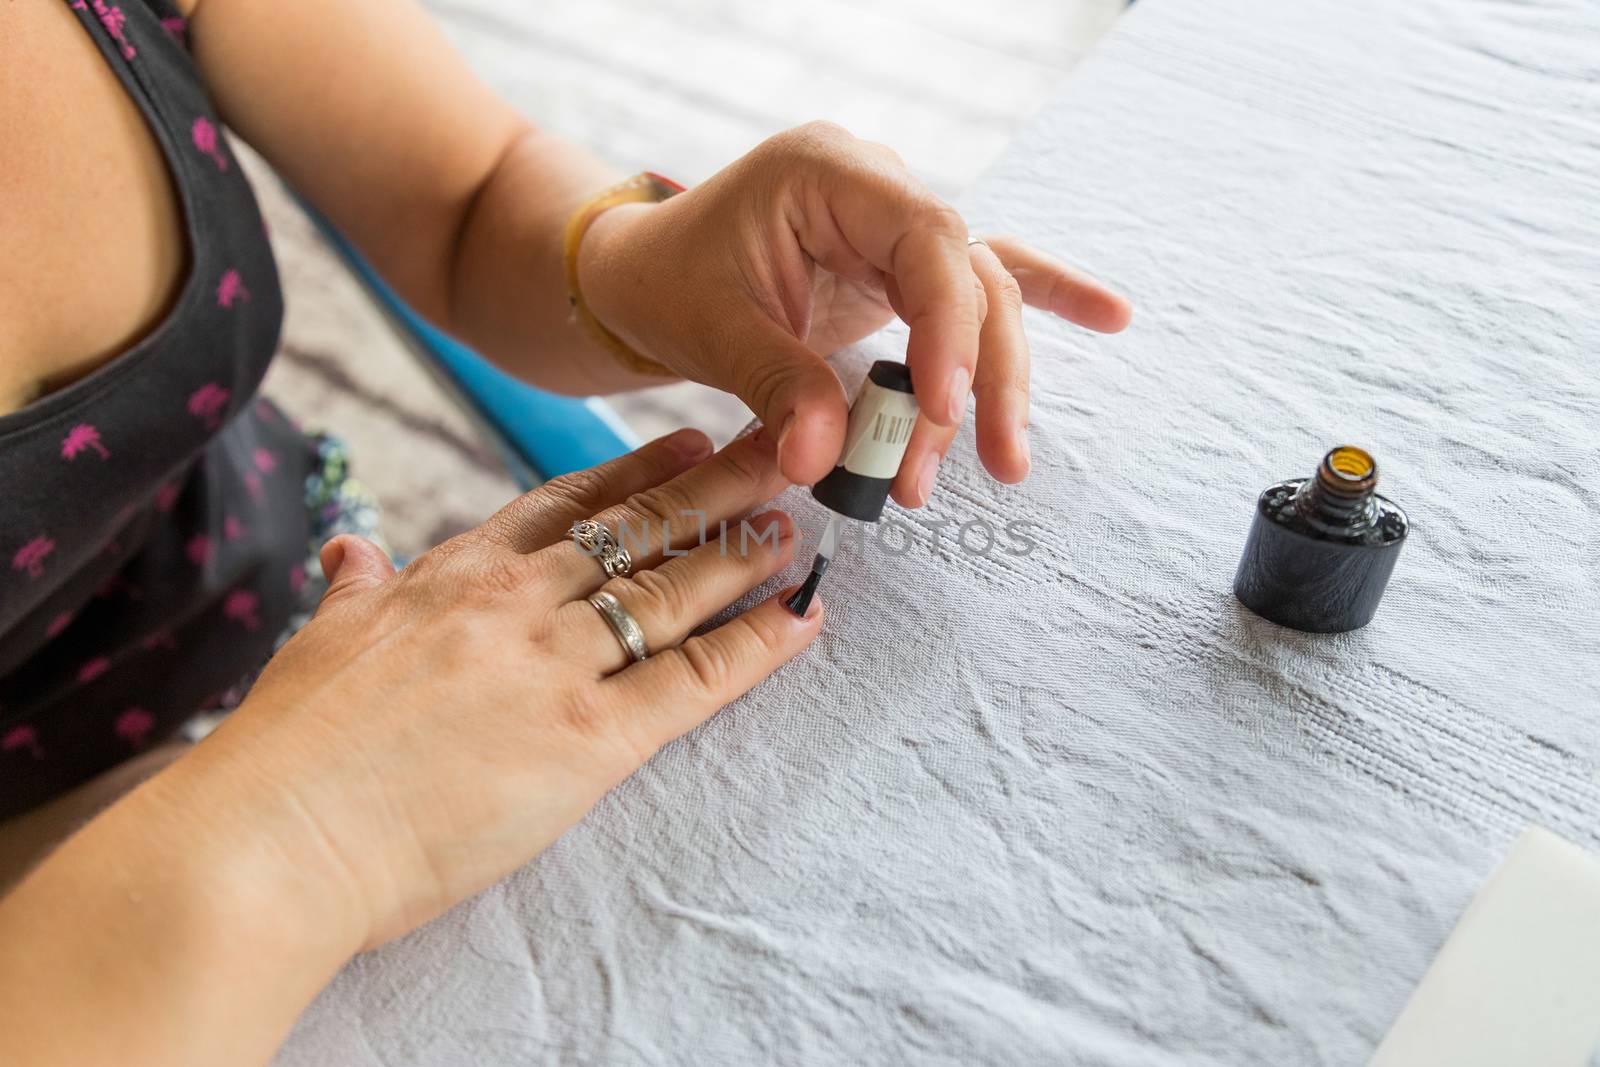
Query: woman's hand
[809,243]
[423,735]
[435,728]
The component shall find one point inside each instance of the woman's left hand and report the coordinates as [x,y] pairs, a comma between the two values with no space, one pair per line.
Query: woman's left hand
[813,241]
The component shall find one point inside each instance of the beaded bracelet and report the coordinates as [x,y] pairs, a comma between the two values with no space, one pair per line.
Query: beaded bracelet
[645,188]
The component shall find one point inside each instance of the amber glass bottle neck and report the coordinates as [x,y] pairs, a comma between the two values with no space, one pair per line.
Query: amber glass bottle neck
[1339,497]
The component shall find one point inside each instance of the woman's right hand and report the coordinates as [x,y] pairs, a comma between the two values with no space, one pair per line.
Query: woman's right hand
[429,731]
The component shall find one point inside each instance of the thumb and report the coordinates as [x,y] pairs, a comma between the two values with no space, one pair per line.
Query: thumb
[796,395]
[352,565]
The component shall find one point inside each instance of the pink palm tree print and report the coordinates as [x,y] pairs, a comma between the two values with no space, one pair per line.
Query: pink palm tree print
[159,639]
[252,482]
[93,669]
[22,737]
[232,528]
[57,624]
[198,550]
[81,438]
[31,556]
[166,496]
[134,725]
[113,20]
[297,578]
[266,462]
[240,606]
[208,403]
[205,139]
[231,288]
[177,29]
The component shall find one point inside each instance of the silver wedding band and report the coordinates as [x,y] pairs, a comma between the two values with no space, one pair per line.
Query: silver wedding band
[595,540]
[977,241]
[624,625]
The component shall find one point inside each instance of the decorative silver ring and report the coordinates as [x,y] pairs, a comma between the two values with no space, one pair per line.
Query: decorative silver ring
[624,625]
[595,541]
[977,241]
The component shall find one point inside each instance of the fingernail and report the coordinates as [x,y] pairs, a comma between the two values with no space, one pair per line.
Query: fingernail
[689,443]
[332,558]
[813,605]
[1024,449]
[770,520]
[930,468]
[783,434]
[960,383]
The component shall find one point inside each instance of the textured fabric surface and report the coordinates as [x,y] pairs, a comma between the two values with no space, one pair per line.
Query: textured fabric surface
[1079,806]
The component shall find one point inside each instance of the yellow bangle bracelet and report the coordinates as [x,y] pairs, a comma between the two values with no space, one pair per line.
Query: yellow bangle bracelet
[645,188]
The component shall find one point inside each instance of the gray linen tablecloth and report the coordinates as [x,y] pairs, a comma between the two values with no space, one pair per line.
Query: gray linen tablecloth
[1079,806]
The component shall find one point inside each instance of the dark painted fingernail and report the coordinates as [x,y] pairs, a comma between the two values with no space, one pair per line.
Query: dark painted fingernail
[802,600]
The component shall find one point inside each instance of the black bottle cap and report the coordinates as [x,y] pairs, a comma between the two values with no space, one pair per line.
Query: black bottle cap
[891,374]
[853,496]
[1321,549]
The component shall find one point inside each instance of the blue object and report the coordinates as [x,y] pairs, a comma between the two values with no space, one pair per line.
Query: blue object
[539,435]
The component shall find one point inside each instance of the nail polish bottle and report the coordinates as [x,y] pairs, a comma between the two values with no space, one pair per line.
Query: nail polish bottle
[1321,549]
[881,419]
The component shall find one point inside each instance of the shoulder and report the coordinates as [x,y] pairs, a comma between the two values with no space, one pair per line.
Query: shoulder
[87,196]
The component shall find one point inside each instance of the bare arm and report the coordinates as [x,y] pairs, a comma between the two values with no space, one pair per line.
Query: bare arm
[811,241]
[179,927]
[459,202]
[27,838]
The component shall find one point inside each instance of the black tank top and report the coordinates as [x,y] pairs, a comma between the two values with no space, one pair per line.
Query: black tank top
[152,518]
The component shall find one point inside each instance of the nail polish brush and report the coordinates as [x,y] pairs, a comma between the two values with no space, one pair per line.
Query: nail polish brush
[881,420]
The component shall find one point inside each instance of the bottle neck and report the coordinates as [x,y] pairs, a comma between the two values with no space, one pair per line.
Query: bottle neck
[1339,498]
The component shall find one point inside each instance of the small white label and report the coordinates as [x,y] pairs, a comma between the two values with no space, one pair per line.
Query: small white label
[881,421]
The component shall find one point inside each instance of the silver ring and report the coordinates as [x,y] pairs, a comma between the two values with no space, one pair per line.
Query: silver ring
[595,541]
[977,241]
[624,625]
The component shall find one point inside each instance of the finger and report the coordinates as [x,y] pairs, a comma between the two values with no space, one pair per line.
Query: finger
[793,391]
[352,565]
[919,470]
[678,513]
[669,601]
[934,280]
[544,515]
[905,231]
[676,689]
[1000,387]
[1063,290]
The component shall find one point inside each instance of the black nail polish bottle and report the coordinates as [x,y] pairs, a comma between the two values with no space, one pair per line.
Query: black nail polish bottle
[1321,549]
[882,417]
